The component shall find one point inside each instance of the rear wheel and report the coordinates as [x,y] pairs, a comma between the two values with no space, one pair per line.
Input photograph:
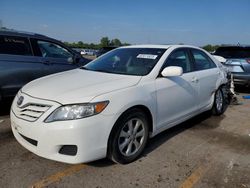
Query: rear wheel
[129,137]
[220,102]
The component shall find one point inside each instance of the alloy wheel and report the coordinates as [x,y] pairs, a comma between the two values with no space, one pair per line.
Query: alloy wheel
[131,137]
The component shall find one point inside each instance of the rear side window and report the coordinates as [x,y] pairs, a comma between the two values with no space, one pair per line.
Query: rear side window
[14,45]
[179,58]
[202,61]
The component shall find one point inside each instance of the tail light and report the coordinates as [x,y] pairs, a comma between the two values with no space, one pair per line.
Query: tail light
[248,60]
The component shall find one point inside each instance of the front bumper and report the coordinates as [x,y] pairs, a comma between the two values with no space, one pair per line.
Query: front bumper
[90,136]
[241,78]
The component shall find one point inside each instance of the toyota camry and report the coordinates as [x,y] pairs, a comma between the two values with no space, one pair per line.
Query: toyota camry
[114,104]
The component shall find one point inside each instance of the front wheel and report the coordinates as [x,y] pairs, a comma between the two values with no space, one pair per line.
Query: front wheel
[129,137]
[220,103]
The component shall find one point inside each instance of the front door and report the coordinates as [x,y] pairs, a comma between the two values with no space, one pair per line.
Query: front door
[54,56]
[176,96]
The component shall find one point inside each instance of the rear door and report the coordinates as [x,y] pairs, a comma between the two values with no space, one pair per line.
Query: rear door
[18,66]
[53,55]
[176,96]
[206,74]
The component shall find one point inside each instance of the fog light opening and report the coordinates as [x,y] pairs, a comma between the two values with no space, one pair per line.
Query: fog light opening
[68,150]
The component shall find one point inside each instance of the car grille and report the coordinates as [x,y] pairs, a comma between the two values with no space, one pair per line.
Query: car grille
[31,111]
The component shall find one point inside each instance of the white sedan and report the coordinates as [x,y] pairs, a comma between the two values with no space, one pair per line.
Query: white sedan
[113,105]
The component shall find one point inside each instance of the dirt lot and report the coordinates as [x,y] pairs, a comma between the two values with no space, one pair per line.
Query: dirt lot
[203,152]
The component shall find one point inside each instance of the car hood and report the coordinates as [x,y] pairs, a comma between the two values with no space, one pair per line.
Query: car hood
[78,86]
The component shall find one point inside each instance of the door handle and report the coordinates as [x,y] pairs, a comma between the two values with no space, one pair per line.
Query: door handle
[194,79]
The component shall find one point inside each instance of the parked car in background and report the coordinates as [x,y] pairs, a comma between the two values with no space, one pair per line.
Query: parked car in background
[111,106]
[104,50]
[238,62]
[27,56]
[87,52]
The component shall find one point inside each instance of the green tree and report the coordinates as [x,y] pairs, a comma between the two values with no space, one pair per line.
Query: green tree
[210,48]
[80,44]
[104,42]
[92,46]
[115,42]
[125,44]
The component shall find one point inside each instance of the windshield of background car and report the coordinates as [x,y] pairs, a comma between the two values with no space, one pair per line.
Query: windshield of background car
[128,61]
[233,52]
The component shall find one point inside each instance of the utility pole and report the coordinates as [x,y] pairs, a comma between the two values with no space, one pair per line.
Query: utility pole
[1,24]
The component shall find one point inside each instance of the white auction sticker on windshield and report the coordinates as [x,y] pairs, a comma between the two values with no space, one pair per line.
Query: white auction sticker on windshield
[147,56]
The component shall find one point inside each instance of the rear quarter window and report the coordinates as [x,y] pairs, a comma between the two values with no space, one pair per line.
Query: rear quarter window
[14,45]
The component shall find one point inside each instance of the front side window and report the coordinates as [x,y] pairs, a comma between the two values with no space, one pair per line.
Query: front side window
[49,49]
[179,58]
[14,45]
[128,61]
[202,61]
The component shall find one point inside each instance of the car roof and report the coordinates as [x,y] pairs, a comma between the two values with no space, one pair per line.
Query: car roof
[24,34]
[159,46]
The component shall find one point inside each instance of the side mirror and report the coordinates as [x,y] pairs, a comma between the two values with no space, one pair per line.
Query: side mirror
[220,58]
[75,59]
[172,71]
[70,60]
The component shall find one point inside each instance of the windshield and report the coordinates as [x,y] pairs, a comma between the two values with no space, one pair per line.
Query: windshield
[129,61]
[233,52]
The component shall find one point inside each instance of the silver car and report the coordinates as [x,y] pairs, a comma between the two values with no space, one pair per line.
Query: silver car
[238,62]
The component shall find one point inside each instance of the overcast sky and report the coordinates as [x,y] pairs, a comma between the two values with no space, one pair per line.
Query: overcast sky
[196,22]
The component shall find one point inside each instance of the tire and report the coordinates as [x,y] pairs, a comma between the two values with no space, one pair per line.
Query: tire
[220,102]
[128,137]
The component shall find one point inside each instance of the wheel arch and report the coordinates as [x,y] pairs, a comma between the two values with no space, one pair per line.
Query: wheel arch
[144,109]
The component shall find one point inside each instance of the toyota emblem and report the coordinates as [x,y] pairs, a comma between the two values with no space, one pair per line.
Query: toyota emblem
[20,100]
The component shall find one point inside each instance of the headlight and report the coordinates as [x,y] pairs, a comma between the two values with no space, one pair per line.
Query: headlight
[76,111]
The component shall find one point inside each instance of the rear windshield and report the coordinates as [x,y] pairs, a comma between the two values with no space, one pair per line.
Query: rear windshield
[233,52]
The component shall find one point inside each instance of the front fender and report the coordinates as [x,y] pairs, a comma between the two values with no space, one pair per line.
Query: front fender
[124,99]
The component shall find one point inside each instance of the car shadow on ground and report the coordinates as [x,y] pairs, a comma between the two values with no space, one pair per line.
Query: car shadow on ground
[166,135]
[163,137]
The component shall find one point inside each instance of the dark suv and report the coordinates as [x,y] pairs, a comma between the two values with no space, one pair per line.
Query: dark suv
[27,56]
[238,62]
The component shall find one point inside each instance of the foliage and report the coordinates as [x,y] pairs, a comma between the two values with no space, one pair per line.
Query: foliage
[115,42]
[104,42]
[210,48]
